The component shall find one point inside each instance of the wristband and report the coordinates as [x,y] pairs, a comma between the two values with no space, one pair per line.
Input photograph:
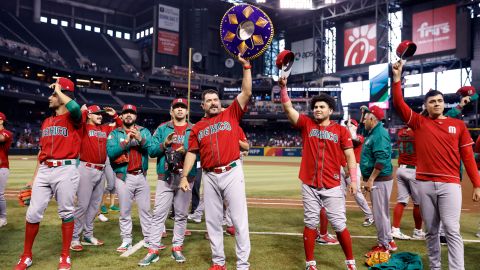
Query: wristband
[353,175]
[247,67]
[284,98]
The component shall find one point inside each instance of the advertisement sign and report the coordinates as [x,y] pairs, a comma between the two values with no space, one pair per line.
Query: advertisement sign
[255,151]
[360,45]
[378,78]
[304,53]
[168,18]
[434,30]
[168,43]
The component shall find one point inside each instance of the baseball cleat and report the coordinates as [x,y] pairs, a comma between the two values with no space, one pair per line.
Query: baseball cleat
[124,247]
[65,263]
[368,222]
[114,208]
[418,234]
[151,257]
[375,249]
[3,222]
[103,209]
[392,246]
[192,217]
[217,267]
[146,244]
[102,218]
[443,240]
[311,265]
[177,254]
[326,239]
[350,264]
[23,263]
[188,233]
[230,231]
[91,241]
[75,245]
[397,234]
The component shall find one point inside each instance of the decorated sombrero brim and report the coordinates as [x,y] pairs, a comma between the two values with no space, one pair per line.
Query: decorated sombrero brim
[247,30]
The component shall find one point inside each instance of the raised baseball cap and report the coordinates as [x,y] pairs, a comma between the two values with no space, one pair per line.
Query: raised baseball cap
[177,101]
[129,107]
[406,49]
[353,121]
[95,109]
[66,84]
[466,91]
[3,117]
[377,111]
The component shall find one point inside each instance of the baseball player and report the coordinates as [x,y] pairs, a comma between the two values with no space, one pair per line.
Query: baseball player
[357,140]
[376,169]
[56,174]
[222,173]
[109,192]
[170,138]
[6,138]
[127,148]
[441,142]
[324,142]
[93,153]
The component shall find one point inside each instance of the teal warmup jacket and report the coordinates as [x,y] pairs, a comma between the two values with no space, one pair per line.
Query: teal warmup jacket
[116,147]
[157,148]
[377,153]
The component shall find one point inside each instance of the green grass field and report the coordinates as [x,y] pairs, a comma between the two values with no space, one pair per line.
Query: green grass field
[268,251]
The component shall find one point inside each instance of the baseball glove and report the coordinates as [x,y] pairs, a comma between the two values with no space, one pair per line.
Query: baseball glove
[378,257]
[173,160]
[25,195]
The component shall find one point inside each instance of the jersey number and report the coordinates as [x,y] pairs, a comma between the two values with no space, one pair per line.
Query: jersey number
[406,148]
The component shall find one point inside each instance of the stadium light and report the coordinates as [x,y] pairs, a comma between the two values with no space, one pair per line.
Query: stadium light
[78,26]
[53,21]
[44,19]
[261,1]
[96,29]
[127,36]
[88,27]
[110,32]
[64,23]
[118,34]
[296,4]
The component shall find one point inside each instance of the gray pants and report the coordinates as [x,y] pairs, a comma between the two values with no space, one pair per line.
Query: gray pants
[228,186]
[442,202]
[3,184]
[359,197]
[89,197]
[109,176]
[166,194]
[135,187]
[380,197]
[60,182]
[405,176]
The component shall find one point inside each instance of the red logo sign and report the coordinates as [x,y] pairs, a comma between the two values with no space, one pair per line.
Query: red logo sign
[434,30]
[168,42]
[360,45]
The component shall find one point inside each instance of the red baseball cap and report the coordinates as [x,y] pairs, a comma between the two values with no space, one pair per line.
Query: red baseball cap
[3,117]
[182,101]
[406,49]
[284,58]
[95,109]
[129,107]
[377,111]
[353,121]
[66,84]
[466,91]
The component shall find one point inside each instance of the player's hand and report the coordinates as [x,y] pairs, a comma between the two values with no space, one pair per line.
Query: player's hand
[282,82]
[464,101]
[184,185]
[363,108]
[56,87]
[169,139]
[476,194]
[137,135]
[84,107]
[243,153]
[242,61]
[397,68]
[110,111]
[352,190]
[369,185]
[181,149]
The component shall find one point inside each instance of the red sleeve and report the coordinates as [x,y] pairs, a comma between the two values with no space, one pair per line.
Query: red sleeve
[193,142]
[301,122]
[468,159]
[118,121]
[477,145]
[345,138]
[411,118]
[465,139]
[241,135]
[235,110]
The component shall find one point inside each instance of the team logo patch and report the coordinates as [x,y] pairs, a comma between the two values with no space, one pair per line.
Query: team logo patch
[323,134]
[336,176]
[452,130]
[212,129]
[55,131]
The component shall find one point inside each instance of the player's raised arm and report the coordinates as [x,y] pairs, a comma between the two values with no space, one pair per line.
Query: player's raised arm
[287,105]
[246,93]
[401,107]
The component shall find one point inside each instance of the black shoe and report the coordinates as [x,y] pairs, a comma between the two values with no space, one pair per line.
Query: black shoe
[443,240]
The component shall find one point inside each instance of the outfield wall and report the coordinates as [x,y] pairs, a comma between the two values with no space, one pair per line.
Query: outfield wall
[287,152]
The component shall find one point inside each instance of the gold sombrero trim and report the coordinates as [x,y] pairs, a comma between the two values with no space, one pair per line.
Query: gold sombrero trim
[269,41]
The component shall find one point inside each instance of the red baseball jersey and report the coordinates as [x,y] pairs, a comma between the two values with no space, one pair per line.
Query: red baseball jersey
[134,157]
[406,147]
[477,152]
[179,136]
[357,147]
[213,137]
[437,143]
[323,152]
[4,146]
[59,138]
[242,137]
[94,140]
